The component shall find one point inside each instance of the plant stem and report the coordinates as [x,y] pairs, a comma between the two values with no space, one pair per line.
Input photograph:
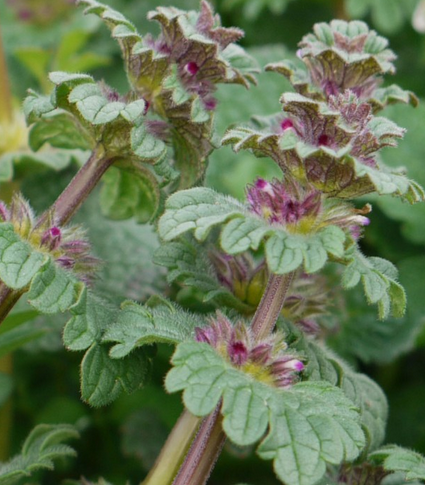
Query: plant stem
[204,451]
[5,93]
[68,202]
[79,188]
[209,441]
[173,452]
[271,305]
[8,299]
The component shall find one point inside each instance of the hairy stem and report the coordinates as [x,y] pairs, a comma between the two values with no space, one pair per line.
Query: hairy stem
[209,441]
[173,452]
[204,452]
[5,93]
[80,187]
[271,305]
[66,205]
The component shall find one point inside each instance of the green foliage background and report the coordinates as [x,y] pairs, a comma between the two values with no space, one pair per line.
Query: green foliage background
[120,442]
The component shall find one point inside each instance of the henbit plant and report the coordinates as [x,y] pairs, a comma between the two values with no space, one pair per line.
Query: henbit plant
[252,360]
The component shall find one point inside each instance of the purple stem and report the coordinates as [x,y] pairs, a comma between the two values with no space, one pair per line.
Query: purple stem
[80,187]
[204,451]
[209,441]
[8,299]
[271,305]
[64,208]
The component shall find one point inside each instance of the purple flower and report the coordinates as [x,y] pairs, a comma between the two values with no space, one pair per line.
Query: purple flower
[282,203]
[67,246]
[267,360]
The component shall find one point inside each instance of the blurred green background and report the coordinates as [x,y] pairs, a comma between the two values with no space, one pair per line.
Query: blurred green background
[120,442]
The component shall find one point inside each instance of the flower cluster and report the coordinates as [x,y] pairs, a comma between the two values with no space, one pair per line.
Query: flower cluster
[68,246]
[241,275]
[329,137]
[302,210]
[267,361]
[307,298]
[197,46]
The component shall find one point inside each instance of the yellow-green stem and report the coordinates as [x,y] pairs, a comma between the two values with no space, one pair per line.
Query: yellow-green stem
[5,93]
[5,412]
[173,452]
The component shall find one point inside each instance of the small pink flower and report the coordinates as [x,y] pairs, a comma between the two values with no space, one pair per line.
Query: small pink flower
[191,68]
[51,238]
[237,344]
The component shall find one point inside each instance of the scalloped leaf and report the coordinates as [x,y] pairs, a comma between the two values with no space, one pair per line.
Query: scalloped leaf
[397,459]
[54,289]
[89,318]
[391,95]
[378,277]
[187,260]
[334,172]
[91,117]
[201,209]
[41,448]
[307,426]
[18,261]
[324,365]
[138,325]
[103,379]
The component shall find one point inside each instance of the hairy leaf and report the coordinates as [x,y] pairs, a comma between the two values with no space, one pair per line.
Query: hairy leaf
[54,290]
[187,261]
[201,209]
[378,277]
[397,459]
[323,365]
[89,317]
[18,261]
[103,379]
[307,426]
[138,325]
[41,448]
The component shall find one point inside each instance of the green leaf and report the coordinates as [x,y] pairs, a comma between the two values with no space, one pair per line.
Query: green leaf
[146,146]
[58,131]
[41,448]
[90,317]
[187,262]
[103,379]
[130,192]
[371,401]
[307,426]
[323,365]
[18,261]
[138,325]
[397,459]
[200,209]
[378,277]
[54,290]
